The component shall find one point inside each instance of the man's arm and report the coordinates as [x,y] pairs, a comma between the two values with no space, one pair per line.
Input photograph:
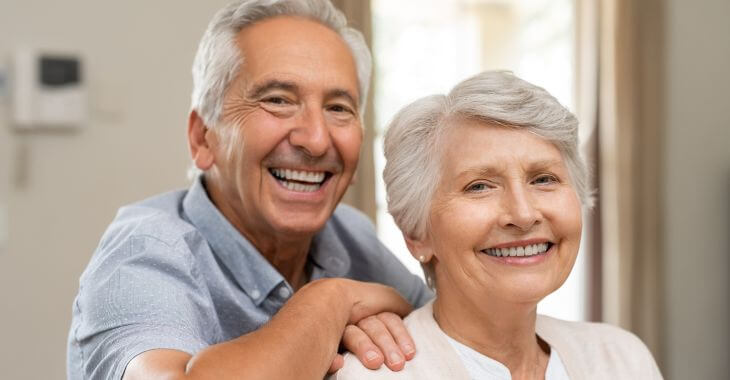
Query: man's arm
[300,341]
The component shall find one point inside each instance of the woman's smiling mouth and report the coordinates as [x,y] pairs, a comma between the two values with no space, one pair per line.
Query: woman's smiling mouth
[519,251]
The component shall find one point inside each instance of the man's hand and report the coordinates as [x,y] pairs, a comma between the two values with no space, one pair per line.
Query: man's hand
[376,338]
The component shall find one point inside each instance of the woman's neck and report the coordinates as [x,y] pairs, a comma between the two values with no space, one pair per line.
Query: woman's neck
[501,330]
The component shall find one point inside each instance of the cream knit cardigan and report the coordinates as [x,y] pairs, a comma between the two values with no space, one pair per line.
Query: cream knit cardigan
[588,351]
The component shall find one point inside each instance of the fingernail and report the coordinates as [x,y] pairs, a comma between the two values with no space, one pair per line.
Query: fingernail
[408,349]
[395,358]
[371,355]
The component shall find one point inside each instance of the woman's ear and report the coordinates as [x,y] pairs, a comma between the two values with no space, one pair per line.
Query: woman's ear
[200,148]
[421,249]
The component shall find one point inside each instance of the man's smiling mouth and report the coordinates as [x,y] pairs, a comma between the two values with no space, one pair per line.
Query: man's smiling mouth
[300,180]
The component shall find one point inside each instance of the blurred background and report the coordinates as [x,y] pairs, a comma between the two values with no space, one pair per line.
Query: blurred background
[647,79]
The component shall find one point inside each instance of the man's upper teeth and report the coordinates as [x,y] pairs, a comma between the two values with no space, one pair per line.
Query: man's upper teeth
[299,175]
[528,250]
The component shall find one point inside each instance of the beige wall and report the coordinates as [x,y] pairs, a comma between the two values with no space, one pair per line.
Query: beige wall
[697,185]
[138,57]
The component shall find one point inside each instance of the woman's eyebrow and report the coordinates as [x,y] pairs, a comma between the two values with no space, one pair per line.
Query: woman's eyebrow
[481,170]
[490,169]
[545,164]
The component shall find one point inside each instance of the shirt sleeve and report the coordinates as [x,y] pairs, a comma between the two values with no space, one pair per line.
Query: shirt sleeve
[143,294]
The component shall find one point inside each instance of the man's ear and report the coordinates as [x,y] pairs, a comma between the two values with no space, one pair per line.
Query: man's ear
[200,148]
[421,249]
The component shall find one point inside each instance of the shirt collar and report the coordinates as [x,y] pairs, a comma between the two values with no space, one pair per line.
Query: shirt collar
[253,273]
[328,251]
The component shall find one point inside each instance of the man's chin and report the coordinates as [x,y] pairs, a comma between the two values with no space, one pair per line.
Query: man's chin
[302,225]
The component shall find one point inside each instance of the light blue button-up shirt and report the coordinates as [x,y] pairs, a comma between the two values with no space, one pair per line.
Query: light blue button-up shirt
[171,272]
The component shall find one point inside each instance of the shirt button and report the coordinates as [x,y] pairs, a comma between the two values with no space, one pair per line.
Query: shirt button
[255,294]
[284,292]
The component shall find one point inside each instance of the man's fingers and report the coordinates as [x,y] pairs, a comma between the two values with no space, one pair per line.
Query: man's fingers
[378,332]
[357,341]
[398,331]
[337,363]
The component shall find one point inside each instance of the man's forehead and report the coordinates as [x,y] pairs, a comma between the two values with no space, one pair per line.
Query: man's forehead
[290,51]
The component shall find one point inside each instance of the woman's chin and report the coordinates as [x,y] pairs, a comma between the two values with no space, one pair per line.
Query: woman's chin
[520,290]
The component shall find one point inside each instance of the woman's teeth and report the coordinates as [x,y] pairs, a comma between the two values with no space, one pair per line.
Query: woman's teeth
[529,250]
[299,180]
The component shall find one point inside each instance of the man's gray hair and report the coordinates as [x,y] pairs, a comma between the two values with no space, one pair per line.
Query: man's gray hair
[412,142]
[218,59]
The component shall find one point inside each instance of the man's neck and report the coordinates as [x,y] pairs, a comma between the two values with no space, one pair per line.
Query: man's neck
[289,259]
[287,252]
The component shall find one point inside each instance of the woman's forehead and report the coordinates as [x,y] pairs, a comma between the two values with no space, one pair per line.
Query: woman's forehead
[486,147]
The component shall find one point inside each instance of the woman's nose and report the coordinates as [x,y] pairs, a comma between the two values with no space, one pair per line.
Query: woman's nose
[311,133]
[519,210]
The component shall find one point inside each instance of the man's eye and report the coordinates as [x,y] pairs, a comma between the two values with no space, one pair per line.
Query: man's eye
[340,108]
[276,100]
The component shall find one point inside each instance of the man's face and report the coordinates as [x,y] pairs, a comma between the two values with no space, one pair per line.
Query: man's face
[290,133]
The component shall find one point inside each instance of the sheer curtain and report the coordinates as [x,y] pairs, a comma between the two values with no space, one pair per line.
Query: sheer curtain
[620,91]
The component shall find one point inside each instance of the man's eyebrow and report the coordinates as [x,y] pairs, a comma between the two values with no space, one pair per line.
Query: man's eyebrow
[341,93]
[260,89]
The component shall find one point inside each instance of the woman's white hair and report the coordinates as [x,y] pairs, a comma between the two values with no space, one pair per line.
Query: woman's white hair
[412,142]
[218,59]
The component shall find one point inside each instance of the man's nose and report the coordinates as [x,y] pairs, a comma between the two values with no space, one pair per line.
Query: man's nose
[311,133]
[519,209]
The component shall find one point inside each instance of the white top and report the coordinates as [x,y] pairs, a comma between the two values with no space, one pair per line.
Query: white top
[482,367]
[593,351]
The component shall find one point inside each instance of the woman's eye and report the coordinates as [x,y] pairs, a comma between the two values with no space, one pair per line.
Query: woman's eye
[545,179]
[476,187]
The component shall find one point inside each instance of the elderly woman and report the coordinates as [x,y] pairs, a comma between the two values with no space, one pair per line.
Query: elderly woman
[488,187]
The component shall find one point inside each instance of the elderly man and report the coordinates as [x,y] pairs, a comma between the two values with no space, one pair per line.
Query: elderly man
[241,275]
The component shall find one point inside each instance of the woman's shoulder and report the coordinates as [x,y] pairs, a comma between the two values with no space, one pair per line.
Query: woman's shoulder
[603,332]
[597,347]
[353,369]
[434,359]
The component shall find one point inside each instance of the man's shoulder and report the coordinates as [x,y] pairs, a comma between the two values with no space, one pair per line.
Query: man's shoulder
[352,228]
[149,233]
[160,217]
[351,217]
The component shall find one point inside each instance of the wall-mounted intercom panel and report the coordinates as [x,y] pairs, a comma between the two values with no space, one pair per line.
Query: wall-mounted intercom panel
[48,90]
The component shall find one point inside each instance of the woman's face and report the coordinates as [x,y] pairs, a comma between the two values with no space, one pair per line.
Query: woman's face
[505,220]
